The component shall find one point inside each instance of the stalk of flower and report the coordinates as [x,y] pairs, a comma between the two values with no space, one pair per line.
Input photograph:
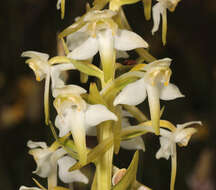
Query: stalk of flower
[155,84]
[75,115]
[159,9]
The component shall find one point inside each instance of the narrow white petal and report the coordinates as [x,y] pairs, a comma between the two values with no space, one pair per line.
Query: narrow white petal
[98,113]
[86,50]
[188,124]
[69,177]
[28,188]
[157,10]
[133,144]
[35,55]
[132,94]
[170,92]
[126,40]
[33,144]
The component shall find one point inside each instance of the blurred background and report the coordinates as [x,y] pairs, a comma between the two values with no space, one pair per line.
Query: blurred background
[34,24]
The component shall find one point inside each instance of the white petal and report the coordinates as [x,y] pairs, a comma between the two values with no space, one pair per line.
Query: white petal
[76,39]
[69,177]
[126,40]
[36,55]
[157,10]
[166,149]
[58,80]
[170,92]
[33,144]
[28,188]
[133,144]
[132,94]
[44,165]
[69,89]
[86,50]
[62,124]
[188,124]
[98,113]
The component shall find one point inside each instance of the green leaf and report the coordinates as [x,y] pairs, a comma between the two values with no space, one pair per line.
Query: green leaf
[130,176]
[94,96]
[131,132]
[95,153]
[89,69]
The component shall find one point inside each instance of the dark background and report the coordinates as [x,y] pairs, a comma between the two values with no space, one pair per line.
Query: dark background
[33,25]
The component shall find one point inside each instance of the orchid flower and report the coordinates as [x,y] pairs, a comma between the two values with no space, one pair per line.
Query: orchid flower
[64,164]
[38,62]
[168,140]
[75,115]
[101,34]
[46,159]
[155,84]
[161,9]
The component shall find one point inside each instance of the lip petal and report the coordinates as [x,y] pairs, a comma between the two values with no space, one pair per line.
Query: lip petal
[69,177]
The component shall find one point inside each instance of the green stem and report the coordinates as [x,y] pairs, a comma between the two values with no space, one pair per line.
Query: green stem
[104,165]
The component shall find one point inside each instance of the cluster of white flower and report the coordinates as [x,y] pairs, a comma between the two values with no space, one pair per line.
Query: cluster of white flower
[105,110]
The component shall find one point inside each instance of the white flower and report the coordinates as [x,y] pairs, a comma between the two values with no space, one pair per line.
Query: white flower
[160,9]
[38,62]
[180,136]
[155,84]
[75,116]
[105,42]
[45,157]
[101,34]
[69,177]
